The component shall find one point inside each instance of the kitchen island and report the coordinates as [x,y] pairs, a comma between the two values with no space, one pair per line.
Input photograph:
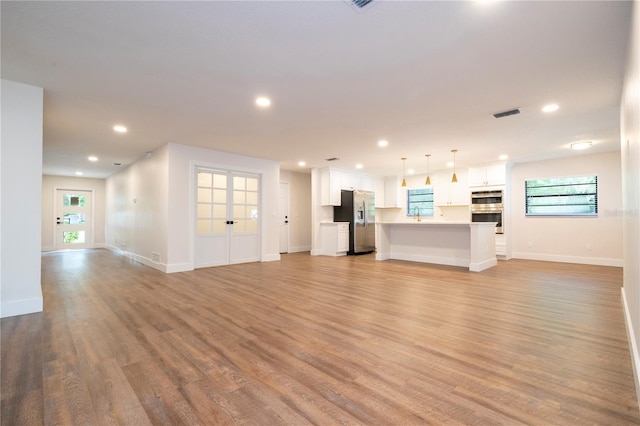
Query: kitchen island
[466,244]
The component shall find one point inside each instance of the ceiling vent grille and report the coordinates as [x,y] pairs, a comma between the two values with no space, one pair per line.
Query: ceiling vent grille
[507,113]
[360,5]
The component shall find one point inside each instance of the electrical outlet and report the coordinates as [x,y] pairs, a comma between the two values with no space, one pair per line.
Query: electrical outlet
[529,244]
[588,247]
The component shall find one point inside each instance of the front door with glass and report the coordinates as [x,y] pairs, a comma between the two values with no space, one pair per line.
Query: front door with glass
[73,219]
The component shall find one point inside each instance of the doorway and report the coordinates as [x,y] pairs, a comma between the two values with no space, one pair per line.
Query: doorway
[227,218]
[74,219]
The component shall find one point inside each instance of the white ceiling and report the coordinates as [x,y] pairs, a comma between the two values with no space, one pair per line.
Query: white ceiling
[426,76]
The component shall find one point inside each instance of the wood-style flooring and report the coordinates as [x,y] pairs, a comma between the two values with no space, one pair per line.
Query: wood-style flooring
[319,340]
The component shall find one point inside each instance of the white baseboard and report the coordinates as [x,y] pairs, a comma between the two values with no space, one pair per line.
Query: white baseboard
[178,267]
[271,257]
[299,249]
[633,345]
[47,248]
[136,257]
[481,266]
[600,261]
[449,261]
[317,252]
[12,308]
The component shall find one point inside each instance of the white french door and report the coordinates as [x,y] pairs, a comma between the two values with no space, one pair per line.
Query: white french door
[227,218]
[73,219]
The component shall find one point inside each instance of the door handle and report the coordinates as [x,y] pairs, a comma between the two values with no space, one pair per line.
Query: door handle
[229,222]
[286,221]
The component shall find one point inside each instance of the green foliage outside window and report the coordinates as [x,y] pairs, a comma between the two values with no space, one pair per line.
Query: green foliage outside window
[566,196]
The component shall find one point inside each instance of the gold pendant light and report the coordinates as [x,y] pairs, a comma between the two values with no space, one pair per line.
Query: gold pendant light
[428,180]
[454,178]
[404,180]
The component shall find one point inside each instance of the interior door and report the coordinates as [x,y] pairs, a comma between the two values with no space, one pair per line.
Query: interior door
[73,219]
[284,217]
[227,219]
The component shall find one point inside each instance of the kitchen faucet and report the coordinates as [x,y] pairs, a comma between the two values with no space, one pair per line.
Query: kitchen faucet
[417,216]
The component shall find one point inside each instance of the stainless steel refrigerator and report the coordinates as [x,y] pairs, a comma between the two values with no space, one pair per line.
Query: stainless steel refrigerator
[359,209]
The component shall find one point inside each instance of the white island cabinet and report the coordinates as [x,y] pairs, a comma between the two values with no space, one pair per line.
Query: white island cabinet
[465,244]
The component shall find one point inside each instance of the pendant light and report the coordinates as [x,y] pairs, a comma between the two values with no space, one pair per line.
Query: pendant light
[428,180]
[404,180]
[454,178]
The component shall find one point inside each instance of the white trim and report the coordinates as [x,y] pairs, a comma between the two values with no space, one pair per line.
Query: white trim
[140,259]
[633,346]
[450,261]
[21,307]
[298,249]
[178,267]
[481,266]
[270,257]
[317,252]
[47,248]
[600,261]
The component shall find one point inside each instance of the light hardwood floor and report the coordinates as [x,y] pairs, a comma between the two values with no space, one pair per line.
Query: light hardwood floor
[319,340]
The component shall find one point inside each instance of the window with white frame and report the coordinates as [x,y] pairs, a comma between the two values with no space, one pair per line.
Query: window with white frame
[562,196]
[420,201]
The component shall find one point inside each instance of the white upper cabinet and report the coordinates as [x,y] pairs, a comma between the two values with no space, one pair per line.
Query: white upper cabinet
[446,193]
[488,175]
[332,181]
[392,192]
[330,186]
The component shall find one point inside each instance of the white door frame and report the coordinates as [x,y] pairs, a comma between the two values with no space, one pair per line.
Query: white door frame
[92,243]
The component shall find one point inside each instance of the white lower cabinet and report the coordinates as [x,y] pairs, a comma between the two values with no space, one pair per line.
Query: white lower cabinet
[334,238]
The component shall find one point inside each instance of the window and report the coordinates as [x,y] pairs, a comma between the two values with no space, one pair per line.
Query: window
[420,201]
[567,196]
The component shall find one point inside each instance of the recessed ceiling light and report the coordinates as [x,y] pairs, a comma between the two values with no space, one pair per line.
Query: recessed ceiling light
[263,101]
[119,128]
[92,158]
[359,166]
[78,173]
[581,145]
[382,143]
[550,108]
[503,157]
[301,163]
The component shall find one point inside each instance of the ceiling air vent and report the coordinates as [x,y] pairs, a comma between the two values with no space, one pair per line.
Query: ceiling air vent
[360,5]
[507,113]
[333,159]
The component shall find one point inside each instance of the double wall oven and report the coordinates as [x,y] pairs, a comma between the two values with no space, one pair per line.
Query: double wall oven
[486,206]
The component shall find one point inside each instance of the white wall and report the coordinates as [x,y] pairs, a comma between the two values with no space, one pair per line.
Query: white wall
[630,154]
[20,199]
[182,162]
[49,186]
[565,239]
[299,209]
[136,210]
[149,205]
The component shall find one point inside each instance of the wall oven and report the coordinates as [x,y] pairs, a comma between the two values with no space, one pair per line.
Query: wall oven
[486,206]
